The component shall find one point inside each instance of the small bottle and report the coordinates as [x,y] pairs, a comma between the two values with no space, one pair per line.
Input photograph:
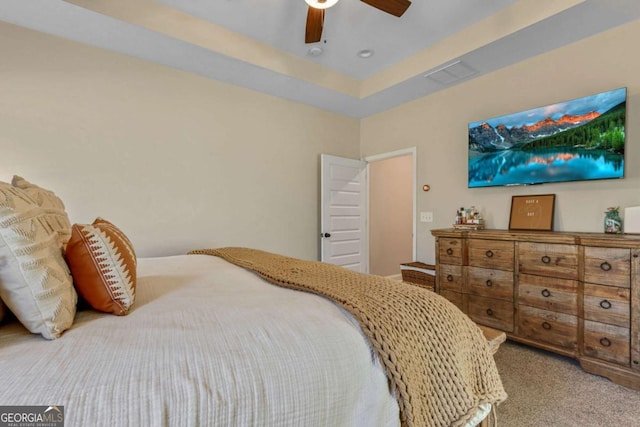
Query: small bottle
[458,218]
[464,215]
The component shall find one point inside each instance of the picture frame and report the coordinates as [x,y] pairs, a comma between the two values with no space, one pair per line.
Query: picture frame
[532,212]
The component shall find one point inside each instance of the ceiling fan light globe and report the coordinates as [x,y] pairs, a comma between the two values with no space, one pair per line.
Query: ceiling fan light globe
[320,4]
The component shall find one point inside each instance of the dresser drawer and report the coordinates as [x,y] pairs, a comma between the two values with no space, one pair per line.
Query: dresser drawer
[607,304]
[450,251]
[454,297]
[548,293]
[496,254]
[450,277]
[607,266]
[490,283]
[606,342]
[491,312]
[548,259]
[548,327]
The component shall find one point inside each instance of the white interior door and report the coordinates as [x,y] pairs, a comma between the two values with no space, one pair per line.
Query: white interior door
[343,212]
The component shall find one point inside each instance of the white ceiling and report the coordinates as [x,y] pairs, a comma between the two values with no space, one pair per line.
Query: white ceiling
[350,26]
[259,44]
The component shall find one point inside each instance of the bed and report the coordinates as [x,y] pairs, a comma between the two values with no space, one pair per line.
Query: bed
[207,342]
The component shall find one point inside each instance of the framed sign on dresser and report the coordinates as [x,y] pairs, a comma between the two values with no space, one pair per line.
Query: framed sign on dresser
[575,294]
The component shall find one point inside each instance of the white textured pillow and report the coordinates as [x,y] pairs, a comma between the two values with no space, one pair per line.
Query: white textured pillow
[55,215]
[35,283]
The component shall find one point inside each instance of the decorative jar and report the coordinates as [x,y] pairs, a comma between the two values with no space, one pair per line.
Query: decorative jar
[612,221]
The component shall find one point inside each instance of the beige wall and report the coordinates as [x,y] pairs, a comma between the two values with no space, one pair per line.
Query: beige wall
[390,214]
[437,125]
[176,160]
[180,161]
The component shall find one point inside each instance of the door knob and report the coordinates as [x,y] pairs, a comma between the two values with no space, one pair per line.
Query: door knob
[325,235]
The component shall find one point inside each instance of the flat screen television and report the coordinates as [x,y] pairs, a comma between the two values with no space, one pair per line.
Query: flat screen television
[581,139]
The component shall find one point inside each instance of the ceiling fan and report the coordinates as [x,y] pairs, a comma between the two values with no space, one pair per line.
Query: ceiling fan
[315,14]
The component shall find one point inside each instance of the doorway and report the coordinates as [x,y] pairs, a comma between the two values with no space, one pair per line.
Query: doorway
[345,206]
[391,207]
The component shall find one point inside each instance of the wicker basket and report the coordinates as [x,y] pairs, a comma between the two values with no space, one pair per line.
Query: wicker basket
[418,274]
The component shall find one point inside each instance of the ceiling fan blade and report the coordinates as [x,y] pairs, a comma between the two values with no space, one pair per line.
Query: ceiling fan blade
[315,20]
[394,7]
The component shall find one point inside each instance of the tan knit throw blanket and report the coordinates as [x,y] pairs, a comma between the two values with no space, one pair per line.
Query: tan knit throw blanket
[437,360]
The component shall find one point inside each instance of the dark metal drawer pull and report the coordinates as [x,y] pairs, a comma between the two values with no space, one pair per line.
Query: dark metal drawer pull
[546,293]
[605,266]
[449,278]
[489,283]
[489,312]
[606,342]
[449,251]
[546,325]
[545,259]
[489,254]
[605,304]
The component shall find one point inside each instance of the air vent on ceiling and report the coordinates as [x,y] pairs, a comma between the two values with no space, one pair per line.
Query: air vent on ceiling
[450,74]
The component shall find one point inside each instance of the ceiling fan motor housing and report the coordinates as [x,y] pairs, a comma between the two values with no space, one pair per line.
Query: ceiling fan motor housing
[315,14]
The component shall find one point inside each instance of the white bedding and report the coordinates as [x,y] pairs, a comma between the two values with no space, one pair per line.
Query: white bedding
[208,344]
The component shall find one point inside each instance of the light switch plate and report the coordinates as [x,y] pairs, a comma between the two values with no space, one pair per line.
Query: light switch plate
[426,216]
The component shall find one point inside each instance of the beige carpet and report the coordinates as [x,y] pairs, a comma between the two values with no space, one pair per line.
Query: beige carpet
[550,390]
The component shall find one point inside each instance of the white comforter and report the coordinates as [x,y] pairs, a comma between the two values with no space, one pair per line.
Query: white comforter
[208,344]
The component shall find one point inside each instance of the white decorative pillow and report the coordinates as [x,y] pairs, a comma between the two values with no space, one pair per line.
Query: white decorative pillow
[55,215]
[35,283]
[103,265]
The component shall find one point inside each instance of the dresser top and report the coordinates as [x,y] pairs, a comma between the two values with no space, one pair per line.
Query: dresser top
[566,237]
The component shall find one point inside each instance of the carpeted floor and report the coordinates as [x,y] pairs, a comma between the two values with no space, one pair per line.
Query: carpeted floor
[548,390]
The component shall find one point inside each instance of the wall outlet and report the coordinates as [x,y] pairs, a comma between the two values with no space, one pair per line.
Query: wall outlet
[426,216]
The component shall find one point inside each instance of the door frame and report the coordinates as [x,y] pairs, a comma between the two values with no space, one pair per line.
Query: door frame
[384,156]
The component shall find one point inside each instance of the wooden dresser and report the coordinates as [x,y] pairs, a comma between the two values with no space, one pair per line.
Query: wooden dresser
[576,294]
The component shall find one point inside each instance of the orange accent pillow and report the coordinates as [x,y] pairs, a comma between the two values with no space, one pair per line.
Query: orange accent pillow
[103,266]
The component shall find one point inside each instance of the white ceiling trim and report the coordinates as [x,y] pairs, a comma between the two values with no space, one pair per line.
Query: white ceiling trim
[72,22]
